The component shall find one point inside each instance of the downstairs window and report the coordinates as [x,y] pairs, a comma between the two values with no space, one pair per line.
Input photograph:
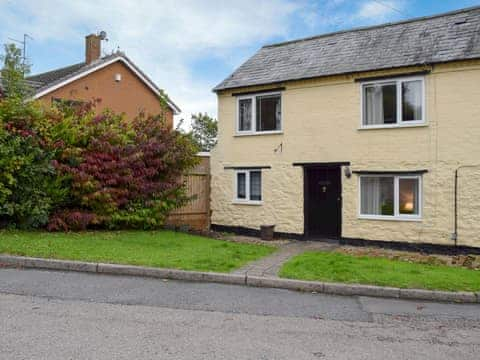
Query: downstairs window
[390,197]
[248,186]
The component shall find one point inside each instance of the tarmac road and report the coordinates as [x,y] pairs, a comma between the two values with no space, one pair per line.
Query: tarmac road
[67,315]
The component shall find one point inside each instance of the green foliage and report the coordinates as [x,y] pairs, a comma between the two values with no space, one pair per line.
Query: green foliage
[73,168]
[124,174]
[29,187]
[13,73]
[204,131]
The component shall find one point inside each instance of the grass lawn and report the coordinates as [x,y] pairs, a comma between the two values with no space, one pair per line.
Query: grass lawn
[166,249]
[336,267]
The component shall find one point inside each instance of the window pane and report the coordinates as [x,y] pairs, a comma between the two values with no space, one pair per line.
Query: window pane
[241,186]
[255,185]
[377,195]
[245,114]
[408,193]
[269,114]
[412,100]
[380,103]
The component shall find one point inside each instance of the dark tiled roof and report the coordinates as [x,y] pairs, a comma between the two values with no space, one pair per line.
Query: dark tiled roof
[50,77]
[441,38]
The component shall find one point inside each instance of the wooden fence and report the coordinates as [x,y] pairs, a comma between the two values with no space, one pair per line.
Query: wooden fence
[196,214]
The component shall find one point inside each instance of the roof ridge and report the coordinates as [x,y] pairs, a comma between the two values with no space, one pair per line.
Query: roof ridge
[370,27]
[110,56]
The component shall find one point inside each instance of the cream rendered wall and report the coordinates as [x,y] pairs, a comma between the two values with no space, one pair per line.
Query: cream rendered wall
[321,120]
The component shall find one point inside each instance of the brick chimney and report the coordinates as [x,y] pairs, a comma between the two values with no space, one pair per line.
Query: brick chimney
[92,48]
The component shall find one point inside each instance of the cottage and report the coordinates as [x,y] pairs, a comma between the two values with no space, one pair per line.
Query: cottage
[371,134]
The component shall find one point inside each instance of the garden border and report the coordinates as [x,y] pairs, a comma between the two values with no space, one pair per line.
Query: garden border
[234,279]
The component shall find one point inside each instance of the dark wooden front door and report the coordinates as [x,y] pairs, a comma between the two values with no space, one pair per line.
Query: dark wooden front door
[323,201]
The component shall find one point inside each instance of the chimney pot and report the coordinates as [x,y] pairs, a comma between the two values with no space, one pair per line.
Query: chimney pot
[92,48]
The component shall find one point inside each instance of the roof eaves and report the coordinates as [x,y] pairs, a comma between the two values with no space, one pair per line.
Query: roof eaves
[218,88]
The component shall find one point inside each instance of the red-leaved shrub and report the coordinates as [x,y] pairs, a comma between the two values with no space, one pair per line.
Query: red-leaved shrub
[122,174]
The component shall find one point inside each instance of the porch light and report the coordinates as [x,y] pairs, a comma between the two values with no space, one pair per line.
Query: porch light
[347,172]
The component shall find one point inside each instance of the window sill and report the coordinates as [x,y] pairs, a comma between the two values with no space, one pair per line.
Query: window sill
[390,218]
[258,133]
[393,126]
[246,202]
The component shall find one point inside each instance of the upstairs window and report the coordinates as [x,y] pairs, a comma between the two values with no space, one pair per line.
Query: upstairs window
[248,186]
[396,102]
[245,110]
[259,113]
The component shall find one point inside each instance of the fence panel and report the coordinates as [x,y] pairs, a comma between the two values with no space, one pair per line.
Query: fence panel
[196,213]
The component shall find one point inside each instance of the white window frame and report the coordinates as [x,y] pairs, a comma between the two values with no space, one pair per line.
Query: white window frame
[247,200]
[396,199]
[400,123]
[253,130]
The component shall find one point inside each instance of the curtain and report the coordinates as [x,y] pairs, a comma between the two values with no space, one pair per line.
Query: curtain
[245,114]
[374,105]
[370,196]
[241,186]
[412,100]
[255,185]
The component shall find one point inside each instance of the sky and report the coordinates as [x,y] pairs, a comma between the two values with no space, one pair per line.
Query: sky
[187,47]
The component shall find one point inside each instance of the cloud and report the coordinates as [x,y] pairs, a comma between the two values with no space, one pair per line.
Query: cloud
[185,46]
[379,10]
[165,38]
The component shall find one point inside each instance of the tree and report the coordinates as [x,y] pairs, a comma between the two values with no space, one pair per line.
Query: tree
[13,73]
[204,131]
[29,186]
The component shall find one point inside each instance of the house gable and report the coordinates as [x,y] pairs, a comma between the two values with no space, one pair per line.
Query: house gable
[129,94]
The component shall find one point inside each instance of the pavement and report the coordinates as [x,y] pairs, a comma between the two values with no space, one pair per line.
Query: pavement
[270,265]
[243,278]
[73,315]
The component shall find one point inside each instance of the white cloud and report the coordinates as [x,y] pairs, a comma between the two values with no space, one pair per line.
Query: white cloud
[163,37]
[380,10]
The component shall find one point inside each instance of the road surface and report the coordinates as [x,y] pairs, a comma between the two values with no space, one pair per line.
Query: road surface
[65,315]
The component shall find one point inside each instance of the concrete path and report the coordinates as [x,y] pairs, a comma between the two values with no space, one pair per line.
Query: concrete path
[270,265]
[66,315]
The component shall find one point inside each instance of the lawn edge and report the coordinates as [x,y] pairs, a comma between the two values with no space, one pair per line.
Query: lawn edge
[235,279]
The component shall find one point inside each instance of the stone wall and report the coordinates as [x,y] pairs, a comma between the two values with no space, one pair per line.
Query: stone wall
[321,120]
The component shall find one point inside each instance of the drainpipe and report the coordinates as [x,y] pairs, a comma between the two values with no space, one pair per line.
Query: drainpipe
[455,229]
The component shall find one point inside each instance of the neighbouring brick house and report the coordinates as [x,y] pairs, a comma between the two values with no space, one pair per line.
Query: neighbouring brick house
[115,79]
[367,134]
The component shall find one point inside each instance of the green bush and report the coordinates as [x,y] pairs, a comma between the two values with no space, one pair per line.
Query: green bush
[75,169]
[30,188]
